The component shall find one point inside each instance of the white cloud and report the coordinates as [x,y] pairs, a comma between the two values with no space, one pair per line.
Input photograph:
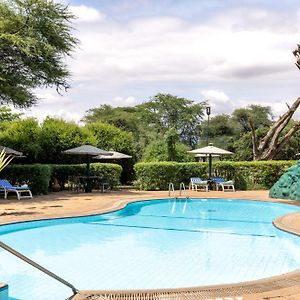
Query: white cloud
[54,105]
[215,96]
[121,101]
[86,14]
[168,48]
[218,101]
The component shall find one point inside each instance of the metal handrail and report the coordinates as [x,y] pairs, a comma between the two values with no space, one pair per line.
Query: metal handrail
[182,188]
[171,188]
[39,267]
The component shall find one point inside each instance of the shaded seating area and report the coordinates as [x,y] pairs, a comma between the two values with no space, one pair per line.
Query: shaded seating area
[197,184]
[21,191]
[221,183]
[91,182]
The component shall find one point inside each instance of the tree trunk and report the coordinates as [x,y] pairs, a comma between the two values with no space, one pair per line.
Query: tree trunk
[270,145]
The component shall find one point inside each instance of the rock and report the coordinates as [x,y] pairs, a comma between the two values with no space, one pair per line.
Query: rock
[288,185]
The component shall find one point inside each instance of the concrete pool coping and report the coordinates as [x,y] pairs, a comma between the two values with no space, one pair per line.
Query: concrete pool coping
[68,204]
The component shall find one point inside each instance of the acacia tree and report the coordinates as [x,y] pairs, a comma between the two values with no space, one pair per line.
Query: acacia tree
[267,147]
[165,111]
[35,38]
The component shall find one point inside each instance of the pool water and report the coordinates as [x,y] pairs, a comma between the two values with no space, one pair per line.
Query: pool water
[148,245]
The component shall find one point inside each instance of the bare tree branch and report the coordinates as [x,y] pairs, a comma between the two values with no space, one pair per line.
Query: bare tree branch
[276,129]
[277,147]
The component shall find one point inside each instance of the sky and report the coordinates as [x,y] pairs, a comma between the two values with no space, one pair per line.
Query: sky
[230,53]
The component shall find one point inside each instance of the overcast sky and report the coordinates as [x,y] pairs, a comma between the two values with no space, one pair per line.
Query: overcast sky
[230,52]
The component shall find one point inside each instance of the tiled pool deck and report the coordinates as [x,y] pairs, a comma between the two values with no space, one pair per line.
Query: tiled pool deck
[65,204]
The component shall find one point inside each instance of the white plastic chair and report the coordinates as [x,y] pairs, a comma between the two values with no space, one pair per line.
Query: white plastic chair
[197,183]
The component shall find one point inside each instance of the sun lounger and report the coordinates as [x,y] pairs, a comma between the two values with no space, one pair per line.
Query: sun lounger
[197,183]
[6,187]
[224,185]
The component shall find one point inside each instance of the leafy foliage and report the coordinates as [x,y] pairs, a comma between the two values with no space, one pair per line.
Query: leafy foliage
[125,118]
[57,135]
[109,137]
[259,116]
[165,111]
[167,149]
[22,135]
[35,37]
[7,115]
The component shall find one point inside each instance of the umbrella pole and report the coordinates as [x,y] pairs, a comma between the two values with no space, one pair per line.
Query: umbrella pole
[88,166]
[209,166]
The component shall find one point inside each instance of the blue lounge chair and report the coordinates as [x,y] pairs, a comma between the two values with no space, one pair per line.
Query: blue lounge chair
[197,183]
[6,187]
[223,184]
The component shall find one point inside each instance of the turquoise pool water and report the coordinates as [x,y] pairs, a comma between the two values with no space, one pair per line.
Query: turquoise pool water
[150,244]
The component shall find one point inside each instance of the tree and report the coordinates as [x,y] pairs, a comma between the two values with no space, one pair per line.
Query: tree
[6,114]
[124,118]
[165,111]
[171,138]
[57,135]
[109,137]
[35,37]
[276,138]
[220,125]
[272,143]
[257,116]
[167,149]
[22,135]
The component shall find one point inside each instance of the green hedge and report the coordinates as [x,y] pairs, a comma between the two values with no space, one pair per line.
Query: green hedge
[247,175]
[40,176]
[37,176]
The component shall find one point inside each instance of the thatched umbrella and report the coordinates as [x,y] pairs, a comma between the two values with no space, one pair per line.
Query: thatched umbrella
[210,151]
[114,155]
[87,151]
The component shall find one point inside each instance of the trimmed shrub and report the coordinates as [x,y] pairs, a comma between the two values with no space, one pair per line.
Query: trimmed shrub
[156,176]
[112,172]
[247,175]
[37,176]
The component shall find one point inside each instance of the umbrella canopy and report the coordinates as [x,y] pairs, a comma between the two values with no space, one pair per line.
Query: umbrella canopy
[115,155]
[206,155]
[11,151]
[87,151]
[210,151]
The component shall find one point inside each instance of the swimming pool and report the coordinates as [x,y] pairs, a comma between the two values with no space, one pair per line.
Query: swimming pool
[151,244]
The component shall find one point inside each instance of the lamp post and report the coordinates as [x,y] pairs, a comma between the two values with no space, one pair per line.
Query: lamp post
[208,110]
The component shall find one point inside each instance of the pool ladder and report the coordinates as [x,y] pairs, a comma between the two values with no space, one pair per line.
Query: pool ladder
[181,190]
[39,267]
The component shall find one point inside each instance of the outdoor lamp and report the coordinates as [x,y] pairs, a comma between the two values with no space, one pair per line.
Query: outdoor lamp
[208,110]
